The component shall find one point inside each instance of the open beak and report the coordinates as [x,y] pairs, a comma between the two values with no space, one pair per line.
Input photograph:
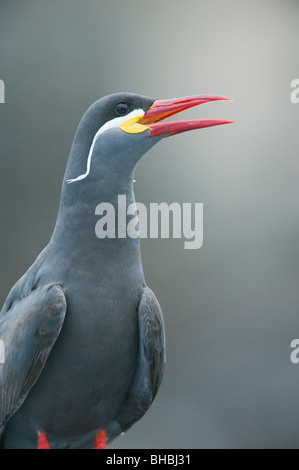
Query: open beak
[162,109]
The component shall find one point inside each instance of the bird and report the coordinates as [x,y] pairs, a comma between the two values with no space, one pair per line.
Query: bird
[83,333]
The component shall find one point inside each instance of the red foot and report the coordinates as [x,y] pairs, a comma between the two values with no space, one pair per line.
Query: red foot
[42,441]
[100,440]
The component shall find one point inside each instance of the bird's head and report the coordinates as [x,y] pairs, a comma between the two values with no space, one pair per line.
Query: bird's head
[118,129]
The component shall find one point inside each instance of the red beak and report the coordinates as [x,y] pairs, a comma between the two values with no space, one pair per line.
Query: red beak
[161,109]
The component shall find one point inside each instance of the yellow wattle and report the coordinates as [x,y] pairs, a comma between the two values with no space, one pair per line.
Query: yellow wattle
[131,126]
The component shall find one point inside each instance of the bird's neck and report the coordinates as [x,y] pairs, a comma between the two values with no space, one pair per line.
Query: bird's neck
[92,218]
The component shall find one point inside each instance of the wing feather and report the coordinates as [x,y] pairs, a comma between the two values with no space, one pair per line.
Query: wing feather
[28,330]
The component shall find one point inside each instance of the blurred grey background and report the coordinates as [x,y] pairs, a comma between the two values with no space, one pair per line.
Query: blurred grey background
[232,307]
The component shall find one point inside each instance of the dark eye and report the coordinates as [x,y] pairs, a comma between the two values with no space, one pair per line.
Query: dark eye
[121,109]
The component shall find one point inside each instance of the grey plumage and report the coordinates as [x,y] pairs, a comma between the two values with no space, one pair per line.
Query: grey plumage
[80,379]
[84,335]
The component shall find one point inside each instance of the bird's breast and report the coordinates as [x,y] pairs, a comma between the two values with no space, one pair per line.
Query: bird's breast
[91,366]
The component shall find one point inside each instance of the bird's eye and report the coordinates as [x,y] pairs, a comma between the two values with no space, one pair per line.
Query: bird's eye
[121,109]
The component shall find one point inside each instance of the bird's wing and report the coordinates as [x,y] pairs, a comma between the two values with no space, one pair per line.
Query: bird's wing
[28,331]
[150,366]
